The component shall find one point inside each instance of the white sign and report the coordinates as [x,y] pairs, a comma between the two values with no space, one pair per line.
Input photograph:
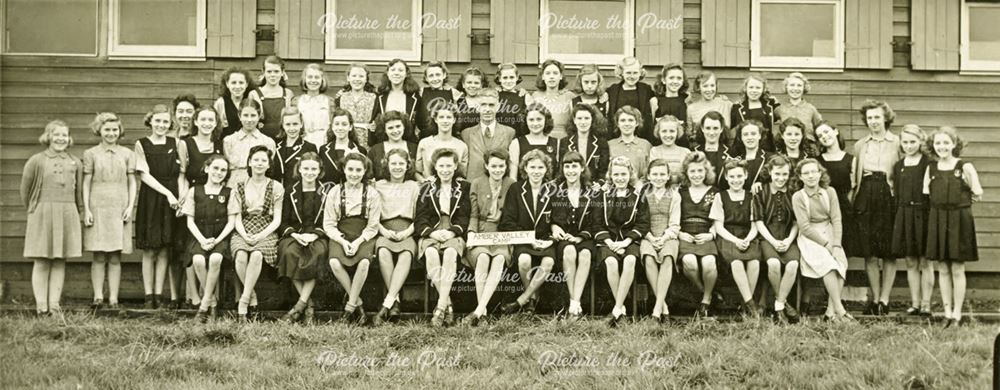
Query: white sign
[501,238]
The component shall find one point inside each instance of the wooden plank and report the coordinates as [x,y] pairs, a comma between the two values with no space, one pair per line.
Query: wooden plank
[297,35]
[658,44]
[934,29]
[73,105]
[106,75]
[867,34]
[138,90]
[446,42]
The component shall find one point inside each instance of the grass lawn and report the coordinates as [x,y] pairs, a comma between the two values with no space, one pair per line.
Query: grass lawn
[163,351]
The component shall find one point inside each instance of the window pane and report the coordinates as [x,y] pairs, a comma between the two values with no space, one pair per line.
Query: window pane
[984,33]
[586,27]
[52,26]
[797,30]
[374,25]
[158,22]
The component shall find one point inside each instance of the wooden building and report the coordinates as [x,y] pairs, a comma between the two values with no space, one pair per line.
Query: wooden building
[937,62]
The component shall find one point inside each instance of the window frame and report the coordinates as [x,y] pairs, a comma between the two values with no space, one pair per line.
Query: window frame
[334,55]
[172,52]
[966,63]
[806,63]
[598,59]
[6,36]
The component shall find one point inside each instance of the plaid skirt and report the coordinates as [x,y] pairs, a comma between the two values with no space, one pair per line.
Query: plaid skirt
[267,246]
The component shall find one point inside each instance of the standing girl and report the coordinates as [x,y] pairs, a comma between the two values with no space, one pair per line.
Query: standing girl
[202,144]
[552,93]
[51,190]
[316,107]
[876,154]
[272,96]
[792,142]
[909,233]
[395,245]
[471,84]
[621,220]
[210,220]
[109,189]
[586,136]
[540,124]
[632,92]
[670,129]
[161,162]
[236,86]
[341,143]
[817,214]
[397,92]
[737,235]
[671,98]
[697,236]
[290,149]
[659,246]
[571,228]
[589,89]
[257,205]
[302,248]
[442,217]
[487,198]
[797,86]
[437,92]
[237,146]
[772,212]
[840,167]
[358,98]
[528,207]
[706,99]
[512,99]
[443,130]
[394,124]
[748,147]
[953,185]
[713,139]
[757,104]
[351,220]
[184,111]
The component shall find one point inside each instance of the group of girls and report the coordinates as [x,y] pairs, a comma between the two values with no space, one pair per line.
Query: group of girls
[607,178]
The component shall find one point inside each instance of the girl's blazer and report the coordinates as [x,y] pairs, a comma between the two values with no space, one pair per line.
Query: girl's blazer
[520,212]
[412,100]
[481,198]
[285,157]
[428,212]
[607,227]
[598,154]
[575,222]
[295,218]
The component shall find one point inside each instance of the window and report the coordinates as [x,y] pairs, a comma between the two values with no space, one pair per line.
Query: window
[587,31]
[157,28]
[980,48]
[373,30]
[797,33]
[50,27]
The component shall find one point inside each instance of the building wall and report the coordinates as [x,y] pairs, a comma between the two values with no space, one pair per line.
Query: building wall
[34,90]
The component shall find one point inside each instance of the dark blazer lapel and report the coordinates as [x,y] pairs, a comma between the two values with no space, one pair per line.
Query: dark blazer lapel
[333,161]
[456,195]
[545,195]
[321,191]
[586,208]
[434,197]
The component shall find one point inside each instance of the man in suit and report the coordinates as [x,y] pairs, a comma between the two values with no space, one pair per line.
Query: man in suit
[487,135]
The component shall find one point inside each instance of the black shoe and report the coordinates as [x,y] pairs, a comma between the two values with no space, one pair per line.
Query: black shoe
[752,311]
[449,318]
[869,309]
[950,323]
[201,316]
[293,315]
[881,309]
[213,312]
[347,317]
[471,320]
[381,317]
[394,312]
[791,314]
[925,313]
[309,316]
[964,321]
[510,308]
[242,318]
[702,311]
[613,321]
[253,314]
[913,311]
[828,318]
[360,317]
[665,319]
[529,309]
[98,303]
